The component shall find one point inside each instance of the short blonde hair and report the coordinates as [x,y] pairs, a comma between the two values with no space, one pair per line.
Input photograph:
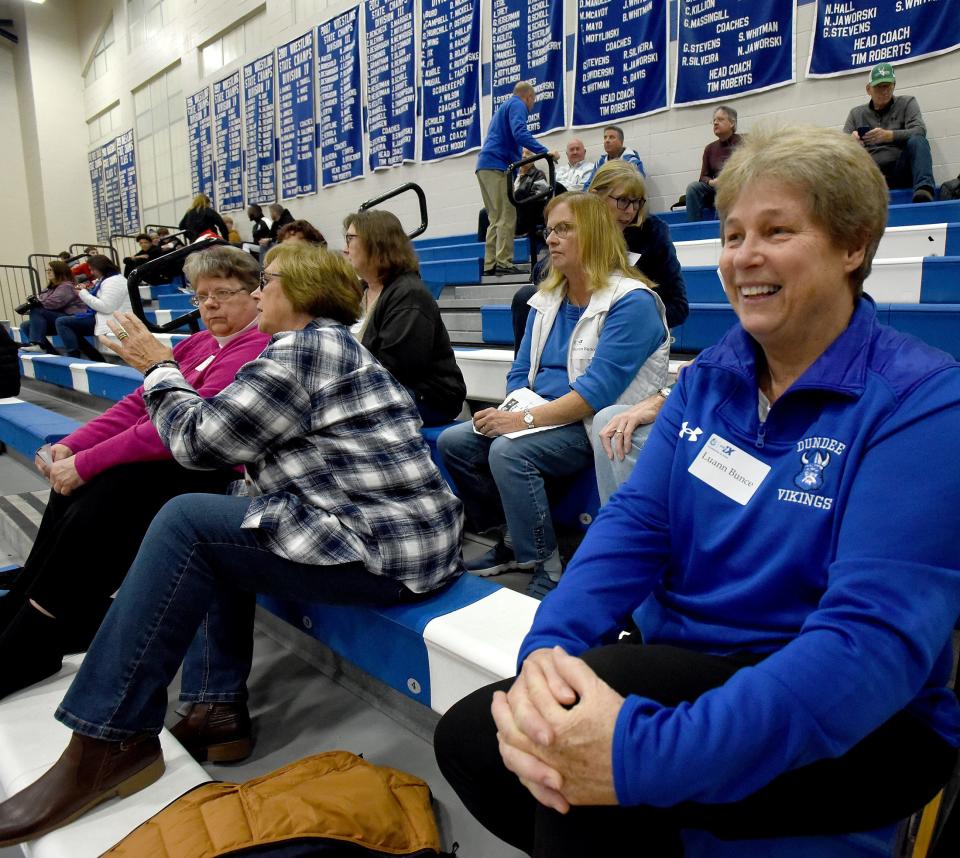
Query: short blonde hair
[602,249]
[846,191]
[200,201]
[621,174]
[317,282]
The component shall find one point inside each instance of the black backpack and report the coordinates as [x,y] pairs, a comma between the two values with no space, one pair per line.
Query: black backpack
[950,190]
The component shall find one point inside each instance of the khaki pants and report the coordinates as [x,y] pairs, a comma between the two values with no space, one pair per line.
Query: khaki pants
[503,218]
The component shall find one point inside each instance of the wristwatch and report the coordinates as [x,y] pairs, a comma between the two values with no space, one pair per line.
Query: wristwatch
[664,392]
[528,418]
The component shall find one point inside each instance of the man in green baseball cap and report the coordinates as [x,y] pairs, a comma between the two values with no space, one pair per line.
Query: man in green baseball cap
[893,132]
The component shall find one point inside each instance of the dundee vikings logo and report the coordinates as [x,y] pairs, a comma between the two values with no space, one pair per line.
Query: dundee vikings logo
[811,477]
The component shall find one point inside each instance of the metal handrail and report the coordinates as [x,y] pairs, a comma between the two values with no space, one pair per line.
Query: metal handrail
[34,258]
[111,251]
[16,283]
[421,197]
[137,275]
[544,195]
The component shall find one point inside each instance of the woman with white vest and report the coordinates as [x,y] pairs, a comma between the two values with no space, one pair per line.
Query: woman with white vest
[111,296]
[597,336]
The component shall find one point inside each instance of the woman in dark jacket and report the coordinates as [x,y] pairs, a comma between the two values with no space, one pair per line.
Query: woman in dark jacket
[202,217]
[261,232]
[401,322]
[280,217]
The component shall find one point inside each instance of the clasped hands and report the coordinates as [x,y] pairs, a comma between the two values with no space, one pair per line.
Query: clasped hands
[61,472]
[555,730]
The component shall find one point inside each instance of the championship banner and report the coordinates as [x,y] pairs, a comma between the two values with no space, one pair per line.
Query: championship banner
[858,34]
[528,45]
[95,162]
[201,144]
[450,75]
[259,154]
[620,65]
[341,117]
[229,146]
[111,188]
[127,170]
[391,89]
[298,165]
[727,48]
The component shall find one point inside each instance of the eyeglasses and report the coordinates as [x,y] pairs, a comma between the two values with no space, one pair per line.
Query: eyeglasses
[562,229]
[624,203]
[266,277]
[220,295]
[350,236]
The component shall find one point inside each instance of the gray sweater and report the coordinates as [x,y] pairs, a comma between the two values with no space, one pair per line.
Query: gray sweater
[902,116]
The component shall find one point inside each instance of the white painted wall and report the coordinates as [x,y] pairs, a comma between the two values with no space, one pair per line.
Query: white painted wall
[670,143]
[16,234]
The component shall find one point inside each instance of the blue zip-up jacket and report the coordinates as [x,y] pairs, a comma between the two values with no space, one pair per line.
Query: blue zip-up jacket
[507,136]
[843,565]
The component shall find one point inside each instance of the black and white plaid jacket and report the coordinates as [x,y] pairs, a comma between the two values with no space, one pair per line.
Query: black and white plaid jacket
[332,444]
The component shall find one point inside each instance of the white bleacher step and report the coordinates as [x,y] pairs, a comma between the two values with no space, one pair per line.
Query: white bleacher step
[518,279]
[31,741]
[490,293]
[466,338]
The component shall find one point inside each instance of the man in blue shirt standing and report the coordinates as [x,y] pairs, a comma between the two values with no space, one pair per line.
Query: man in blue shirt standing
[507,136]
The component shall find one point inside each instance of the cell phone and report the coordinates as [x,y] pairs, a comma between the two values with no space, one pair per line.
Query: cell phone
[43,454]
[863,130]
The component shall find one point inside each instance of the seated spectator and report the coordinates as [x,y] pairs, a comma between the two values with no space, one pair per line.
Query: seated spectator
[57,300]
[649,247]
[700,194]
[892,130]
[530,181]
[574,174]
[597,336]
[401,324]
[303,231]
[346,506]
[74,329]
[232,235]
[614,149]
[165,241]
[111,294]
[796,634]
[82,268]
[202,218]
[261,232]
[280,217]
[148,250]
[111,476]
[63,256]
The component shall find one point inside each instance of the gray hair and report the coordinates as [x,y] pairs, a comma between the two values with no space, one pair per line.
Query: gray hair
[731,113]
[230,263]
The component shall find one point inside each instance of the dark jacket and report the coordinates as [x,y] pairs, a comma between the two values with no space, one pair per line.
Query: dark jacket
[280,223]
[260,230]
[197,221]
[9,366]
[658,260]
[407,335]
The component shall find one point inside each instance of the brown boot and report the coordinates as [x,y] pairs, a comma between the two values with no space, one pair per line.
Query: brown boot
[89,772]
[216,732]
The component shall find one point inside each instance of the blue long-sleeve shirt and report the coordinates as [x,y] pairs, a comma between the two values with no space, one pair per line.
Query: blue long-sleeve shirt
[507,136]
[842,565]
[631,333]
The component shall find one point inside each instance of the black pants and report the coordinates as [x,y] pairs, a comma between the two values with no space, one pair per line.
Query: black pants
[519,310]
[88,539]
[886,777]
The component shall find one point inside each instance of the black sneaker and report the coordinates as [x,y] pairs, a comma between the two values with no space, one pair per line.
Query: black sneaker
[922,195]
[507,269]
[490,272]
[541,584]
[498,559]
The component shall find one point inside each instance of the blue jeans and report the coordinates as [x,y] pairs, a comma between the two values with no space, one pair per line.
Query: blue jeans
[914,167]
[502,480]
[191,592]
[41,321]
[611,474]
[73,329]
[699,196]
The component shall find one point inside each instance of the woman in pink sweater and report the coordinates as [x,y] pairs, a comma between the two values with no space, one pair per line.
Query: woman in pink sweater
[111,476]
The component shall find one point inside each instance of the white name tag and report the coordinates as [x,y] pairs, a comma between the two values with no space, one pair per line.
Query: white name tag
[728,469]
[204,364]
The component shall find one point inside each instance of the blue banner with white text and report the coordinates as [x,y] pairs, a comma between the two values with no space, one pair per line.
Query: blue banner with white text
[341,117]
[858,34]
[127,176]
[229,143]
[95,162]
[258,119]
[111,188]
[200,142]
[620,70]
[528,44]
[298,164]
[391,84]
[450,77]
[727,48]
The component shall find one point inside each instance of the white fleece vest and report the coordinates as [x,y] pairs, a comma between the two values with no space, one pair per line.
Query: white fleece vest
[651,376]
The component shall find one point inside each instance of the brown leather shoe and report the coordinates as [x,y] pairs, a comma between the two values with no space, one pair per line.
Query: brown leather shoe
[216,732]
[89,772]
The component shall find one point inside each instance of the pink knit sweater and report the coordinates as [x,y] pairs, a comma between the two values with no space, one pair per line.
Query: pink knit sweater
[124,433]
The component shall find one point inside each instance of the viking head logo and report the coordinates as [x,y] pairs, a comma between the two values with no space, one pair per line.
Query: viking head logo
[811,477]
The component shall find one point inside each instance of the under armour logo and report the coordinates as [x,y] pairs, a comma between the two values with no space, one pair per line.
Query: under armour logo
[693,433]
